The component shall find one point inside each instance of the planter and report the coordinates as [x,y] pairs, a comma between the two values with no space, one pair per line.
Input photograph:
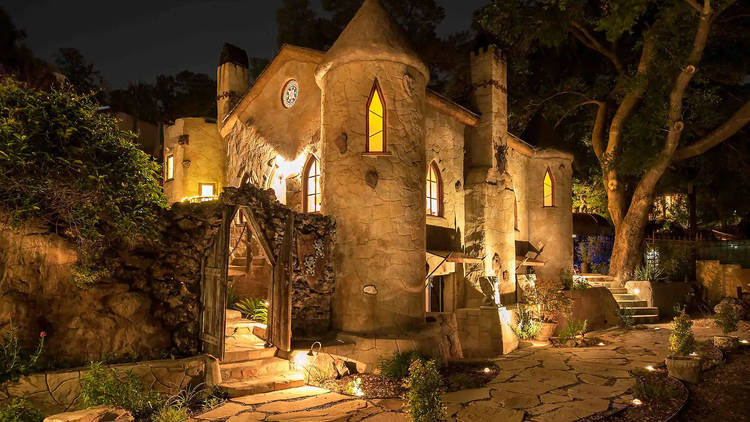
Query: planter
[548,328]
[684,368]
[726,343]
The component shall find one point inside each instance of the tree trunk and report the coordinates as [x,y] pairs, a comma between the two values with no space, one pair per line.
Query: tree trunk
[626,251]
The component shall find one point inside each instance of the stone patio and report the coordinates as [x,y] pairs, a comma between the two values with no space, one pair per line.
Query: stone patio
[536,383]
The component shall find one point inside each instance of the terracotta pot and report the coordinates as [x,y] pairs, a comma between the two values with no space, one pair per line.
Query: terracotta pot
[684,368]
[726,343]
[548,328]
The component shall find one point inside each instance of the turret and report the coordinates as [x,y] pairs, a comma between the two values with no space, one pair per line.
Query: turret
[490,97]
[232,79]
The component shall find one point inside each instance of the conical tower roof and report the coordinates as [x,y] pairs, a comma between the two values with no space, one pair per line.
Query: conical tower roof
[372,34]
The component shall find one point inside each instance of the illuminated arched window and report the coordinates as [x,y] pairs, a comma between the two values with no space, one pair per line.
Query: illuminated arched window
[549,189]
[375,120]
[311,185]
[434,191]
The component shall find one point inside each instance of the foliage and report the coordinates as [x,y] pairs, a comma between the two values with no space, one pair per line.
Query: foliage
[66,164]
[215,397]
[573,329]
[231,297]
[20,410]
[463,381]
[626,317]
[592,253]
[318,375]
[647,389]
[106,386]
[253,308]
[190,397]
[726,317]
[674,258]
[682,341]
[589,196]
[354,387]
[397,366]
[171,413]
[82,75]
[527,326]
[425,388]
[552,302]
[649,271]
[15,360]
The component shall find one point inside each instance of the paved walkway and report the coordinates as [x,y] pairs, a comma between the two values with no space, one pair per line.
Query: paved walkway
[541,384]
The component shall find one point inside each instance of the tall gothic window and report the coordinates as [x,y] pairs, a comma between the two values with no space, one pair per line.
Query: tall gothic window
[434,191]
[311,185]
[170,167]
[376,136]
[549,189]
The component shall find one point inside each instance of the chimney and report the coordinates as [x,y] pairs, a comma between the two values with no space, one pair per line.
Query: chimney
[232,79]
[490,97]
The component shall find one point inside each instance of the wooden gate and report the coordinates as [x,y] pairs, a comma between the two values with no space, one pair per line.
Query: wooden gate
[214,289]
[280,315]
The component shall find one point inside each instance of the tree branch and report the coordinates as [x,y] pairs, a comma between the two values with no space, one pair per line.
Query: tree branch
[588,39]
[738,120]
[694,4]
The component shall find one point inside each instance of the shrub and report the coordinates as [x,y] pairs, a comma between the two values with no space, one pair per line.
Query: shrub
[552,303]
[397,366]
[527,326]
[16,360]
[626,317]
[319,375]
[649,271]
[647,389]
[190,397]
[171,414]
[573,329]
[726,317]
[425,388]
[682,341]
[253,308]
[19,410]
[105,386]
[566,278]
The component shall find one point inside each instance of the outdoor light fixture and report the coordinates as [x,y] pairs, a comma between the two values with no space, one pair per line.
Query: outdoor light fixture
[601,343]
[637,402]
[636,291]
[650,368]
[743,341]
[693,354]
[486,370]
[657,328]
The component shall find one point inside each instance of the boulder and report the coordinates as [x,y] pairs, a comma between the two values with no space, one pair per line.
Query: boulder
[93,414]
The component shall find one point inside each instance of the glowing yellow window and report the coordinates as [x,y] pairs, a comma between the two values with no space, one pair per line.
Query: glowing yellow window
[207,191]
[549,190]
[170,167]
[376,121]
[434,191]
[312,185]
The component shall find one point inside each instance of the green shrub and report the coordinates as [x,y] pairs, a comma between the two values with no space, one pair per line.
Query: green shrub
[649,271]
[190,397]
[16,360]
[19,410]
[626,317]
[527,326]
[318,375]
[566,278]
[231,297]
[463,381]
[646,389]
[253,308]
[106,386]
[573,329]
[171,414]
[397,366]
[726,317]
[682,341]
[425,388]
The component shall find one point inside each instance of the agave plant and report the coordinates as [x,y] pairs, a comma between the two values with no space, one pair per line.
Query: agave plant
[253,308]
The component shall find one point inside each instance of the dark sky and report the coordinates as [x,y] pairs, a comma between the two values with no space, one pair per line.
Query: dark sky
[137,39]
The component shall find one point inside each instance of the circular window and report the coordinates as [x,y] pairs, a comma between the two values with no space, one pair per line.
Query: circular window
[290,93]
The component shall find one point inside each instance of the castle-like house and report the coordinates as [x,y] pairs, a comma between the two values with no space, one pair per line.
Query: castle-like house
[437,206]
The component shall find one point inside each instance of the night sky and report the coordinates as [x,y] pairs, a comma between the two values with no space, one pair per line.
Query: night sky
[137,39]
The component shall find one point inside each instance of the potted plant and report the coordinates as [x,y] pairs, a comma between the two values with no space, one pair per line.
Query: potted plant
[551,303]
[726,318]
[681,363]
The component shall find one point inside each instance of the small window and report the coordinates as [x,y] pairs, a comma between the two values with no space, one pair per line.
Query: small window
[170,167]
[549,189]
[207,191]
[434,191]
[311,186]
[376,135]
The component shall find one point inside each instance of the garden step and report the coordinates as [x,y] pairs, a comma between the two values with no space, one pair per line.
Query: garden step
[237,371]
[618,290]
[232,315]
[646,319]
[236,270]
[632,303]
[643,310]
[239,261]
[624,296]
[241,354]
[263,384]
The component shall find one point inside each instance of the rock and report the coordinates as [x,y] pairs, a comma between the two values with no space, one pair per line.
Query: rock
[684,368]
[371,178]
[93,414]
[726,343]
[127,304]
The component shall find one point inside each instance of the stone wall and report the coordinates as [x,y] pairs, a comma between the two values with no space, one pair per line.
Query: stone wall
[721,280]
[595,305]
[59,391]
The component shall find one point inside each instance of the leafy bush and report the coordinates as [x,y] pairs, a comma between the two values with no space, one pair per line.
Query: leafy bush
[19,410]
[682,341]
[551,302]
[190,397]
[253,308]
[14,359]
[171,414]
[646,389]
[726,317]
[626,317]
[462,381]
[397,366]
[319,375]
[573,329]
[650,270]
[527,326]
[425,388]
[65,163]
[105,386]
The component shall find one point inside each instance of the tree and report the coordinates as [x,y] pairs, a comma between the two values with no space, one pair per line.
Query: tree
[78,72]
[644,83]
[16,59]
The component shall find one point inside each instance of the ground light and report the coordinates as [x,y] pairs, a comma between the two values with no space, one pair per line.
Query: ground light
[601,343]
[650,368]
[743,341]
[637,402]
[486,370]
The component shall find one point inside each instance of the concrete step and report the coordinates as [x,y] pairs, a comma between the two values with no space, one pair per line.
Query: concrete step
[239,261]
[644,310]
[236,270]
[624,296]
[646,319]
[618,290]
[238,371]
[597,277]
[233,315]
[232,355]
[632,303]
[263,384]
[607,284]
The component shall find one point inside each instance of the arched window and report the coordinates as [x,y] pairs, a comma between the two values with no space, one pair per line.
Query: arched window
[434,191]
[549,189]
[311,185]
[376,120]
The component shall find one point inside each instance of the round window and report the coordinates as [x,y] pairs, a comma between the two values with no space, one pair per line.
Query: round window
[290,93]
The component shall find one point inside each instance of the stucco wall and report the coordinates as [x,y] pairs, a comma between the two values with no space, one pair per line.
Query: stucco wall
[200,160]
[721,280]
[381,223]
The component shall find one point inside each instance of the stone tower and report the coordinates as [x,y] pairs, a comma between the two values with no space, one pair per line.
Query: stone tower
[489,189]
[378,198]
[232,79]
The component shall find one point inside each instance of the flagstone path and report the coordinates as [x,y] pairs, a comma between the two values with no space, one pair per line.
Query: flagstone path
[541,384]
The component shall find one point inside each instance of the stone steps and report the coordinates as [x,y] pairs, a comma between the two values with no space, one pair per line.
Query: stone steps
[637,303]
[240,355]
[263,384]
[238,371]
[642,313]
[646,319]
